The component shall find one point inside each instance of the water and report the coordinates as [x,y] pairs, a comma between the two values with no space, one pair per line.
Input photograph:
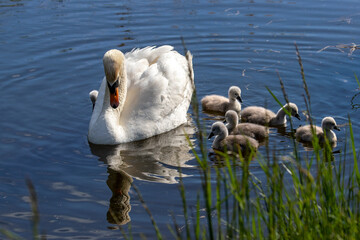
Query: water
[51,57]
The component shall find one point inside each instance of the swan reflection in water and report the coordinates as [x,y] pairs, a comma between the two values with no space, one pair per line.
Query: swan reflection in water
[156,159]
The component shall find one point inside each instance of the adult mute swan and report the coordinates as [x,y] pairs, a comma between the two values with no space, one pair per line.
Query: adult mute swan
[263,116]
[220,104]
[144,93]
[304,133]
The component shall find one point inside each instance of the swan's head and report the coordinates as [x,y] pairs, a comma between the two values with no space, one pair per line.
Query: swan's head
[217,129]
[113,61]
[235,93]
[329,123]
[231,117]
[293,109]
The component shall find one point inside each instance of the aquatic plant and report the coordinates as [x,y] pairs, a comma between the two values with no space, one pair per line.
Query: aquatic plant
[293,201]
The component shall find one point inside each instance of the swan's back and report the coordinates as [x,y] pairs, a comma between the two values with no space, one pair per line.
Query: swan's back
[305,134]
[253,130]
[234,142]
[215,103]
[159,91]
[258,115]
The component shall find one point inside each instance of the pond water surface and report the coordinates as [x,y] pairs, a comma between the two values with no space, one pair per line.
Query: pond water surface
[51,57]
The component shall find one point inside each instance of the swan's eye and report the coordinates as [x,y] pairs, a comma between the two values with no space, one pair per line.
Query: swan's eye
[113,87]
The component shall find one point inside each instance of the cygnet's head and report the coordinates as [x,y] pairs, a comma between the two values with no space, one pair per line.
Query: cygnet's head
[113,61]
[235,93]
[293,110]
[231,117]
[329,123]
[217,129]
[93,96]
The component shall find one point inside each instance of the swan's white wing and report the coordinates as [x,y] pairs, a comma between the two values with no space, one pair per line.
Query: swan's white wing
[139,60]
[159,86]
[151,54]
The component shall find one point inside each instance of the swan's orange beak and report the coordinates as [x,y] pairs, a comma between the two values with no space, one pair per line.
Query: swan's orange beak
[114,98]
[114,94]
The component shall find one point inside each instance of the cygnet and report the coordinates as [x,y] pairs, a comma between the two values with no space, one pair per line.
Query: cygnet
[304,133]
[221,104]
[253,130]
[233,143]
[263,116]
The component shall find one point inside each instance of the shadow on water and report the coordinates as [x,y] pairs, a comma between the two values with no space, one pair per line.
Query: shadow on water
[156,159]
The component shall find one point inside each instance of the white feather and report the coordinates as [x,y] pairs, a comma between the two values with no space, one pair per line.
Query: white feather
[159,90]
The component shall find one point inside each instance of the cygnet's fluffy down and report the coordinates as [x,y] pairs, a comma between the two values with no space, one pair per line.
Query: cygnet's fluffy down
[93,96]
[263,116]
[233,143]
[304,133]
[220,104]
[253,130]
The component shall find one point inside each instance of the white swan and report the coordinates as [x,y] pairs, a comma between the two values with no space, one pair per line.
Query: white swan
[144,93]
[220,104]
[224,141]
[304,133]
[263,116]
[253,130]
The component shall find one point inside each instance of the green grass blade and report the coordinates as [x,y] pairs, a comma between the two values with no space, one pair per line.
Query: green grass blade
[356,167]
[10,235]
[277,100]
[142,201]
[357,80]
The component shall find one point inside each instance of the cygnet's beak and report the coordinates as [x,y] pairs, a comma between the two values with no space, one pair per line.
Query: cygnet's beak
[211,135]
[297,116]
[239,99]
[114,94]
[336,128]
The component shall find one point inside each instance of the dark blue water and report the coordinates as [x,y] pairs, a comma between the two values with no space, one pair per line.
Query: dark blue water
[51,57]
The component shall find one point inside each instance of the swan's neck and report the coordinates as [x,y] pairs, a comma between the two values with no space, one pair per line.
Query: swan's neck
[280,116]
[231,125]
[330,135]
[219,138]
[122,97]
[105,124]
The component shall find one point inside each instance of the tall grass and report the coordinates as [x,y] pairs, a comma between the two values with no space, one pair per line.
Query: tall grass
[309,196]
